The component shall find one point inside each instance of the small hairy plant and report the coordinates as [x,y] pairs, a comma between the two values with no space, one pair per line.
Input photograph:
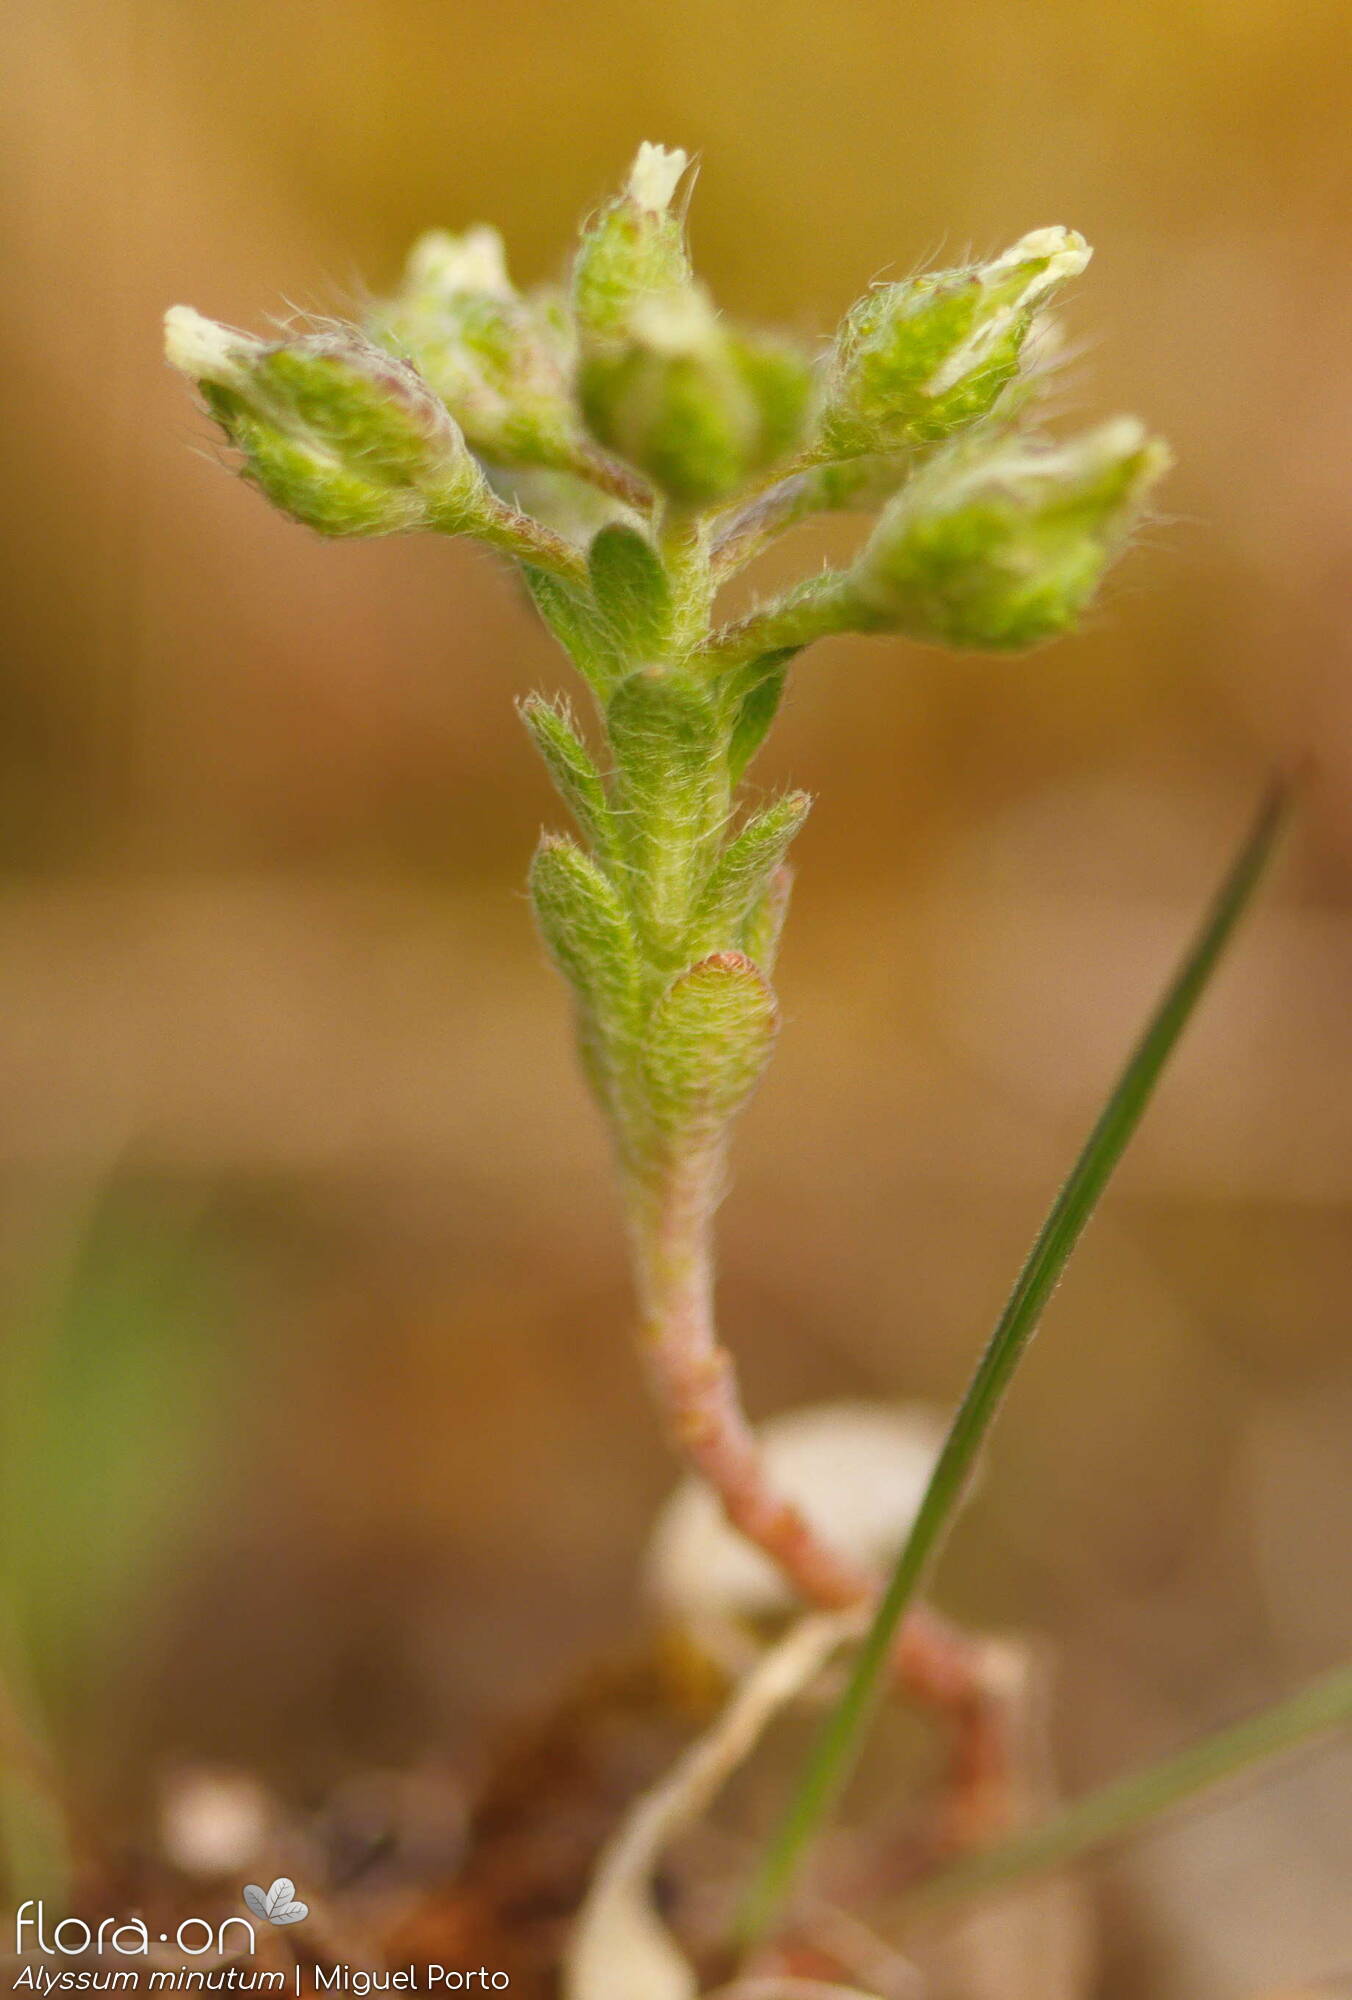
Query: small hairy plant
[632,450]
[658,448]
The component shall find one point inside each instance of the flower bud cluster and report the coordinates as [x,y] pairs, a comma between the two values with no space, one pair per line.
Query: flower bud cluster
[655,447]
[629,397]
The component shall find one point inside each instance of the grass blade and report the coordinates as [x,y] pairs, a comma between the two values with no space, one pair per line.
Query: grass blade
[833,1756]
[1127,1803]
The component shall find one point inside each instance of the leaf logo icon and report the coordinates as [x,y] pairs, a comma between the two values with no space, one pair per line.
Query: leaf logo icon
[278,1904]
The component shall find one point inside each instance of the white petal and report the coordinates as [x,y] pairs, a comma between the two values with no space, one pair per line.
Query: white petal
[654,174]
[204,349]
[474,262]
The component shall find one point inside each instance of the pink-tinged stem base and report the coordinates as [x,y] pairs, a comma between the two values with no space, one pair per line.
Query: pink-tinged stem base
[694,1383]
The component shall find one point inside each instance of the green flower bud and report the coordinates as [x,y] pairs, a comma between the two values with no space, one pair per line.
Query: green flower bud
[695,406]
[337,434]
[663,383]
[916,361]
[634,250]
[502,364]
[1003,547]
[783,382]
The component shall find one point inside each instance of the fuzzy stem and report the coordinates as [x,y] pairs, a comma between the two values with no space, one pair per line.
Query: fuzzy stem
[684,541]
[794,621]
[694,1383]
[743,535]
[612,476]
[529,541]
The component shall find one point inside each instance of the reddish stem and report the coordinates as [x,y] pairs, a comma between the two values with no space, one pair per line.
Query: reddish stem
[694,1382]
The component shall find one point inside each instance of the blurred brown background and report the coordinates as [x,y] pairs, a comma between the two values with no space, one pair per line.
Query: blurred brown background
[275,1024]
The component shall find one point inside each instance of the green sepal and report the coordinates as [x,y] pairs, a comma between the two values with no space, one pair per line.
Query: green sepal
[310,486]
[501,363]
[891,346]
[687,420]
[699,409]
[764,926]
[756,690]
[584,923]
[783,383]
[632,590]
[671,796]
[708,1040]
[571,766]
[633,250]
[571,614]
[744,871]
[382,420]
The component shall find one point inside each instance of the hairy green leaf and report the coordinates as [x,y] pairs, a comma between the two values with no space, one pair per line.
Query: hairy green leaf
[571,614]
[758,689]
[744,870]
[576,778]
[633,592]
[707,1042]
[584,922]
[765,923]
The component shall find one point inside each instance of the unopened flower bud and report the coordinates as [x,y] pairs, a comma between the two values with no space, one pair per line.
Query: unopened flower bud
[916,361]
[337,433]
[448,266]
[695,406]
[633,250]
[663,383]
[501,363]
[1003,547]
